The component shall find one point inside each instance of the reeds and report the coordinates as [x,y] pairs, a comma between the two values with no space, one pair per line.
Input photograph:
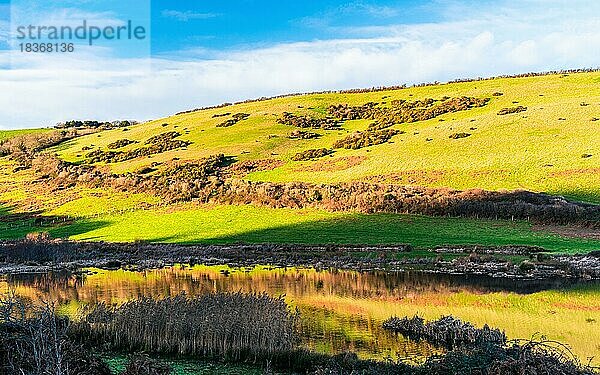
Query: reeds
[35,341]
[225,326]
[446,332]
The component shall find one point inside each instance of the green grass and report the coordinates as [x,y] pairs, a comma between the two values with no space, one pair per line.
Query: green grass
[233,224]
[7,134]
[531,150]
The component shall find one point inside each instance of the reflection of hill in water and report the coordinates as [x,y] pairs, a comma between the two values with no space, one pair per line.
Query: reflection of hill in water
[343,310]
[112,286]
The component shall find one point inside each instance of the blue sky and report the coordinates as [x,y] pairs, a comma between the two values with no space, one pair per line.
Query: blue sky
[203,53]
[246,23]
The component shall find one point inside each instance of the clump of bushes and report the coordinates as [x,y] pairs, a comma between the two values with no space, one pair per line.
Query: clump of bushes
[312,154]
[242,168]
[233,326]
[221,114]
[24,148]
[120,144]
[459,135]
[308,122]
[364,139]
[236,118]
[402,111]
[511,110]
[155,145]
[301,134]
[446,332]
[91,124]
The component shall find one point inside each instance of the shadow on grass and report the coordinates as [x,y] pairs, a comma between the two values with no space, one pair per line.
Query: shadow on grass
[16,225]
[419,231]
[581,195]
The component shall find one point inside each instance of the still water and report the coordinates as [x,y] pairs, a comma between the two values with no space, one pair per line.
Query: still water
[343,310]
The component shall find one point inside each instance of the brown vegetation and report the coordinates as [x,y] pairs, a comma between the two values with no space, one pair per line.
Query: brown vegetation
[446,332]
[242,168]
[312,154]
[459,135]
[120,144]
[155,145]
[402,111]
[234,120]
[337,164]
[367,138]
[411,177]
[508,111]
[308,122]
[300,134]
[234,326]
[34,340]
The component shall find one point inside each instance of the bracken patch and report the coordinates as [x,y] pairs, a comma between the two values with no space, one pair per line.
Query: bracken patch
[338,164]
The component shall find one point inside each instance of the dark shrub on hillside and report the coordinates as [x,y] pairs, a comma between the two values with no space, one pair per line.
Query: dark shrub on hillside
[91,124]
[459,135]
[221,114]
[365,139]
[155,145]
[120,143]
[236,118]
[308,122]
[24,148]
[497,94]
[508,111]
[301,134]
[232,326]
[402,111]
[312,154]
[162,138]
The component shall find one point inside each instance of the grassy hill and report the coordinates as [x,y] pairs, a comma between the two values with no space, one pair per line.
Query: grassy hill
[552,146]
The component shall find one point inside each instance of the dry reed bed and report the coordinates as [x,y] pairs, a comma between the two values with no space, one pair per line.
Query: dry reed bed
[233,326]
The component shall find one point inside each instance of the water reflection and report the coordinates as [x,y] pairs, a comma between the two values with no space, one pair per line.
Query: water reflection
[343,310]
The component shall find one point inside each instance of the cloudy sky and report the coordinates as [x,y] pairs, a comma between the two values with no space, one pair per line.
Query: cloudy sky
[200,53]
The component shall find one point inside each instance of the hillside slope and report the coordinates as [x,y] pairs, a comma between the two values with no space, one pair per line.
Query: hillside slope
[153,181]
[553,146]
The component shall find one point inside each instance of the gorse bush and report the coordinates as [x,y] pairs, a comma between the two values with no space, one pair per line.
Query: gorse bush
[367,138]
[402,111]
[155,145]
[511,110]
[234,326]
[120,143]
[459,135]
[91,124]
[300,134]
[308,122]
[236,118]
[312,154]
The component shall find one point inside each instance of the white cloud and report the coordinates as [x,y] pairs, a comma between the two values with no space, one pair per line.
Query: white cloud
[42,92]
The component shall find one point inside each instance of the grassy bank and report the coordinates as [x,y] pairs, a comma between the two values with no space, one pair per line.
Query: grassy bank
[234,224]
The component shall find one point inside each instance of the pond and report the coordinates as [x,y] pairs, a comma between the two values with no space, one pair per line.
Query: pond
[343,310]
